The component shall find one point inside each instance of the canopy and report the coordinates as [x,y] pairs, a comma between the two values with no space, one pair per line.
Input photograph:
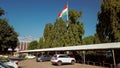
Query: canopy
[80,47]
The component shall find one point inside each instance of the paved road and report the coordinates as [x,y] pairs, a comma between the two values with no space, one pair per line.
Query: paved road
[31,63]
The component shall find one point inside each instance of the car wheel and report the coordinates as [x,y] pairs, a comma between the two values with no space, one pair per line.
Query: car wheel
[72,62]
[37,60]
[41,60]
[59,63]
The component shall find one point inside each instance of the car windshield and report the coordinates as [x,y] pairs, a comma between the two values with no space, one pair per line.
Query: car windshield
[10,60]
[42,56]
[55,56]
[63,56]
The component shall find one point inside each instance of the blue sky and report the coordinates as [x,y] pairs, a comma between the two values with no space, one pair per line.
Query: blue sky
[29,17]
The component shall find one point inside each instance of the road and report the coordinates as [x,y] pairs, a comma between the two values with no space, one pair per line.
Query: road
[31,63]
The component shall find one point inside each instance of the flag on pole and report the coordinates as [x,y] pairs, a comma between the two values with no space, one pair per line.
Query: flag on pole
[64,12]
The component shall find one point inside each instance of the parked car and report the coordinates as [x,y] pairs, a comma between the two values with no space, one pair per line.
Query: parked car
[2,65]
[43,58]
[60,59]
[30,56]
[11,63]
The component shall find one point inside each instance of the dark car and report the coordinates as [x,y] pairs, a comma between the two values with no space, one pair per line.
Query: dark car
[43,58]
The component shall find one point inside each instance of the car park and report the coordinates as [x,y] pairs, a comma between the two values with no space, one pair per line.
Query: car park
[60,59]
[43,58]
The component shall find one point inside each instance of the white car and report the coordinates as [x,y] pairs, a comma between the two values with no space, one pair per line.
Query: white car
[30,56]
[11,63]
[59,59]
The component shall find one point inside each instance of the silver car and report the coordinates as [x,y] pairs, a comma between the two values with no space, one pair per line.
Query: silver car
[43,58]
[2,65]
[11,63]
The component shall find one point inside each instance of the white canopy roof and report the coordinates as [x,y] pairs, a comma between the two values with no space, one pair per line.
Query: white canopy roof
[80,47]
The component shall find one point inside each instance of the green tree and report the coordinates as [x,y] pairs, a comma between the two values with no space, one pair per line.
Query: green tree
[88,40]
[41,43]
[64,33]
[108,27]
[33,45]
[91,39]
[8,37]
[96,39]
[60,29]
[75,28]
[48,35]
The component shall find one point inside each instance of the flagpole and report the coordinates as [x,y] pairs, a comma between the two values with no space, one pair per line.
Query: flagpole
[67,11]
[67,15]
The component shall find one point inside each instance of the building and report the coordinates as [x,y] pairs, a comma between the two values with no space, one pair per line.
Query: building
[22,45]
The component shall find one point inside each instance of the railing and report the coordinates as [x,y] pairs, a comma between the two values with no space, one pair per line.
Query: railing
[100,64]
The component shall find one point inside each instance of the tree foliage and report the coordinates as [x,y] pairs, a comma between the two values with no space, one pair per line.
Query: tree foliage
[41,43]
[108,27]
[75,28]
[88,40]
[48,32]
[8,37]
[64,33]
[33,45]
[91,40]
[96,39]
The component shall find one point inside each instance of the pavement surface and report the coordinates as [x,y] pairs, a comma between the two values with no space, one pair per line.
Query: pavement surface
[31,63]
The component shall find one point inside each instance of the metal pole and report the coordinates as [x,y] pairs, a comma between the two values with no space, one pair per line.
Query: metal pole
[67,11]
[84,56]
[20,45]
[114,58]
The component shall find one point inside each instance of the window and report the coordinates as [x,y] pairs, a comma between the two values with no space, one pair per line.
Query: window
[63,56]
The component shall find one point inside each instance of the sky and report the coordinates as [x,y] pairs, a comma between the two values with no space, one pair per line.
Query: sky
[29,17]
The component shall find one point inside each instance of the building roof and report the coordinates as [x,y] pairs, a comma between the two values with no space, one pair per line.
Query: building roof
[80,47]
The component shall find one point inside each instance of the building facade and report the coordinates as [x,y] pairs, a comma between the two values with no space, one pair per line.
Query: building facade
[22,45]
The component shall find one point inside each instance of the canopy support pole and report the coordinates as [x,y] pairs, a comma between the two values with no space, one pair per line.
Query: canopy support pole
[113,54]
[84,56]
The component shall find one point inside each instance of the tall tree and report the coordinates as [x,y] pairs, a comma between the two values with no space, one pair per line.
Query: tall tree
[63,33]
[96,39]
[88,40]
[33,45]
[41,43]
[91,39]
[8,37]
[59,33]
[75,27]
[108,27]
[48,35]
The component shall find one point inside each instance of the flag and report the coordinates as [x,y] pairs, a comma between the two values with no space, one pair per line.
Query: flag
[64,11]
